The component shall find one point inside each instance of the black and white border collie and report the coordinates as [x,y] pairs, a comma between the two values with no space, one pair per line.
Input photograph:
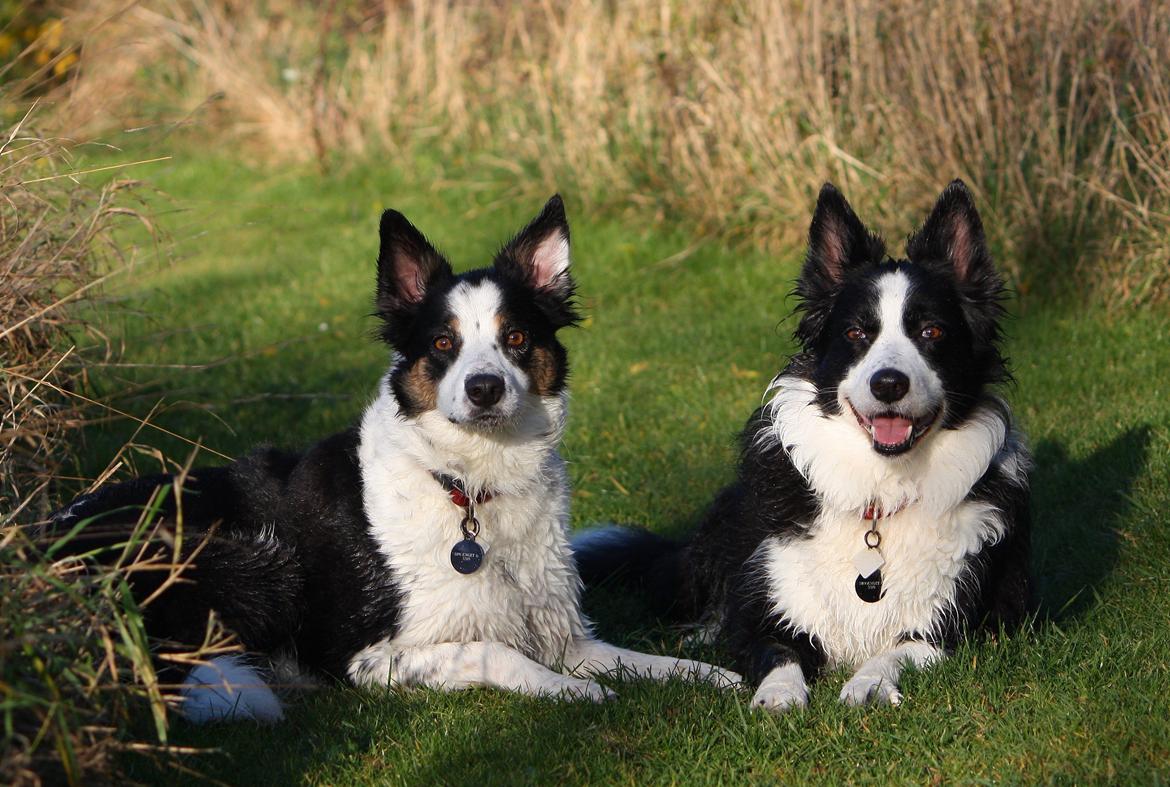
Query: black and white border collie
[429,546]
[881,508]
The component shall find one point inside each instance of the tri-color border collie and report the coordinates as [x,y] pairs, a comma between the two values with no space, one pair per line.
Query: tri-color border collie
[429,545]
[880,513]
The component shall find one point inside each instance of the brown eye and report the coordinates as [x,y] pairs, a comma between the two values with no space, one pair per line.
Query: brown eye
[516,338]
[443,343]
[854,334]
[932,333]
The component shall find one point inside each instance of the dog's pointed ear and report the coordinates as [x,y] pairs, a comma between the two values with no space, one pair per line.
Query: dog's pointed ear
[408,265]
[953,234]
[952,242]
[539,258]
[837,243]
[837,240]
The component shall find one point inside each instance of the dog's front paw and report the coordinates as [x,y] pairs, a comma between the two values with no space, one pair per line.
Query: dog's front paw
[778,699]
[782,690]
[723,678]
[575,690]
[870,690]
[716,676]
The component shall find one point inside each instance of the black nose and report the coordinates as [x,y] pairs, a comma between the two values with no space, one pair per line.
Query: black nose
[889,385]
[484,390]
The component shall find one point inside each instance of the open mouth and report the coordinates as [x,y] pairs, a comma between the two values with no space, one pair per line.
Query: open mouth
[893,433]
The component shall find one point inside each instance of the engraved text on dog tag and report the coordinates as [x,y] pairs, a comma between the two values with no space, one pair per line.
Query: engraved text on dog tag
[466,556]
[869,589]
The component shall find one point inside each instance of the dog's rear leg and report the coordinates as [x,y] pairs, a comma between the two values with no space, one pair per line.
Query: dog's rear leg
[463,665]
[593,657]
[876,681]
[228,688]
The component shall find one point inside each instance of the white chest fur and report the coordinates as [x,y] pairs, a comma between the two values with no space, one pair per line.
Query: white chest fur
[812,579]
[925,546]
[525,594]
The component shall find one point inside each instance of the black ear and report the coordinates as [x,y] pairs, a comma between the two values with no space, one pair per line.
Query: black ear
[407,263]
[408,266]
[953,234]
[837,243]
[952,241]
[538,257]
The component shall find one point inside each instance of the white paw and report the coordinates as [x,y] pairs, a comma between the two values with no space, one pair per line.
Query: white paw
[782,689]
[709,673]
[778,696]
[575,690]
[228,688]
[723,678]
[870,690]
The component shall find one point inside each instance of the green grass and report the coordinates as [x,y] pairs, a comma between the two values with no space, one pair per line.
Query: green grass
[275,274]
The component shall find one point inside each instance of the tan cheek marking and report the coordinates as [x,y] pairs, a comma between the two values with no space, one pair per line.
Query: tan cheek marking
[543,371]
[419,386]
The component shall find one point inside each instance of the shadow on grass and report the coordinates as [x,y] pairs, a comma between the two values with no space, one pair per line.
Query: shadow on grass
[534,742]
[1078,505]
[348,736]
[328,726]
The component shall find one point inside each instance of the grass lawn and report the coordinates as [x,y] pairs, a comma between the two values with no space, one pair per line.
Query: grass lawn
[274,277]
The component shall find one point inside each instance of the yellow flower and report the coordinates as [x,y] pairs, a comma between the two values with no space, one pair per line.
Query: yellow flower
[50,37]
[64,64]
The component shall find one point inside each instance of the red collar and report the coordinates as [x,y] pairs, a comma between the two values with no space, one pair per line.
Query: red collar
[457,492]
[874,511]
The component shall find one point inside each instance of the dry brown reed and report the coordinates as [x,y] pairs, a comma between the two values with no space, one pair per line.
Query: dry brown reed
[724,117]
[78,674]
[75,663]
[721,116]
[56,249]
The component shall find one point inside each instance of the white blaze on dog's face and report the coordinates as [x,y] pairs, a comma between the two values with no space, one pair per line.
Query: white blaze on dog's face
[481,347]
[900,345]
[484,383]
[892,388]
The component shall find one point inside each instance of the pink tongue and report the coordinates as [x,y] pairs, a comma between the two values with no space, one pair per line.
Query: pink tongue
[892,431]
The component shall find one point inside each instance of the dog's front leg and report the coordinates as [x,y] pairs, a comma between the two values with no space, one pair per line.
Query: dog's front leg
[588,656]
[451,666]
[778,668]
[771,654]
[876,680]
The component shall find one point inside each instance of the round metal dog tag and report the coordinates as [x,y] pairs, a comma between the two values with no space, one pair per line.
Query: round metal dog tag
[466,556]
[869,589]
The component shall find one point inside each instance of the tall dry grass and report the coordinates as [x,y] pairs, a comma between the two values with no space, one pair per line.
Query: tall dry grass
[76,669]
[722,116]
[56,248]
